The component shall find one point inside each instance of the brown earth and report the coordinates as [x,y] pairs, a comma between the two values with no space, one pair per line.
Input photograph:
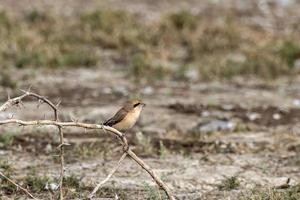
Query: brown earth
[192,161]
[193,134]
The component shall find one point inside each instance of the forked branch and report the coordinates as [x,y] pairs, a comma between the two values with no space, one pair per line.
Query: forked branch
[60,125]
[109,129]
[18,101]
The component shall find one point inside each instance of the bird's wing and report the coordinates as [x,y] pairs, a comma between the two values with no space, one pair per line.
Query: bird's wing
[119,116]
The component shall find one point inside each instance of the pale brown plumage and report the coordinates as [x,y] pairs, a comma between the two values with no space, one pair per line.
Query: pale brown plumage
[127,116]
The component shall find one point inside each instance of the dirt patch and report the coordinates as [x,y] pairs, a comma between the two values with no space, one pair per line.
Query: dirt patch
[264,115]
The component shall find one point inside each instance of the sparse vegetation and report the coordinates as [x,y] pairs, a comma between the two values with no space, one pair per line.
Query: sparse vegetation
[85,151]
[215,50]
[6,167]
[182,20]
[229,183]
[291,193]
[108,192]
[6,138]
[35,182]
[7,187]
[163,151]
[152,193]
[71,181]
[205,72]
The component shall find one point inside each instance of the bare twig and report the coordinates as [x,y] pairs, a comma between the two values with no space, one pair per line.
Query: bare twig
[108,176]
[157,179]
[61,153]
[60,125]
[109,129]
[18,186]
[18,101]
[11,102]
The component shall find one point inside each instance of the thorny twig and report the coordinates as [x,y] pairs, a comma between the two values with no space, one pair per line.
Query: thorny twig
[60,125]
[18,101]
[109,129]
[18,186]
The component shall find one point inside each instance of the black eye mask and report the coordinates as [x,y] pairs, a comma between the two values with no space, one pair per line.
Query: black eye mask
[135,105]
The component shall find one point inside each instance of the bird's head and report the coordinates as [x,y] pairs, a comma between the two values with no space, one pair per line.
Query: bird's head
[134,104]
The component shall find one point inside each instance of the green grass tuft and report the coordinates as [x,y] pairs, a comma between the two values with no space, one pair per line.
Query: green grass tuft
[7,137]
[229,183]
[71,181]
[183,20]
[36,183]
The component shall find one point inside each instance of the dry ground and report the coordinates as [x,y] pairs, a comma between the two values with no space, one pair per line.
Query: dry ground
[178,135]
[233,139]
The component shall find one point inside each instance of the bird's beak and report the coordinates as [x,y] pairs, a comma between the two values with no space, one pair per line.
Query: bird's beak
[143,104]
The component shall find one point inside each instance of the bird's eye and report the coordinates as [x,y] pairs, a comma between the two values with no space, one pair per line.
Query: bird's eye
[135,105]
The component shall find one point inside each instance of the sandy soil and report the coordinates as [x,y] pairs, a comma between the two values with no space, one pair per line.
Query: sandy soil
[210,131]
[193,134]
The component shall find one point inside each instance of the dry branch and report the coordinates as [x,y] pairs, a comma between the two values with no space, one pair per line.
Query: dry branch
[18,101]
[109,129]
[60,125]
[18,186]
[146,167]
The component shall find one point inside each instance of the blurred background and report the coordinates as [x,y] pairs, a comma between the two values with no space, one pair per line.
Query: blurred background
[220,80]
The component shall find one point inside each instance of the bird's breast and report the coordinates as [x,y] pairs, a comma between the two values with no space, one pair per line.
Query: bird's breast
[128,121]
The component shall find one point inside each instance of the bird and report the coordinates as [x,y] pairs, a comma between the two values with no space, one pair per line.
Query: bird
[127,116]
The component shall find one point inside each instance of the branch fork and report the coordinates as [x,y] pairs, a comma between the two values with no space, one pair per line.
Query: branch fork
[107,129]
